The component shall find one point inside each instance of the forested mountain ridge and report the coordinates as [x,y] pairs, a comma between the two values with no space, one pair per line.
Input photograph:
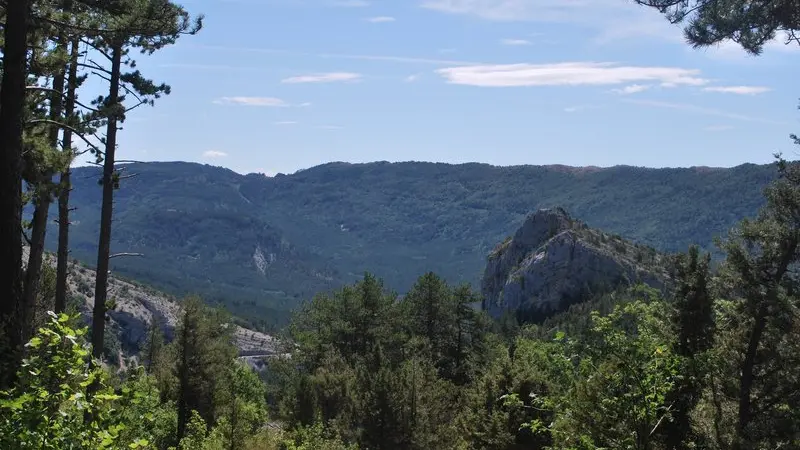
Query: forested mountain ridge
[261,244]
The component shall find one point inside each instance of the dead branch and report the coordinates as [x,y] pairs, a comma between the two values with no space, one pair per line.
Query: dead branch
[115,255]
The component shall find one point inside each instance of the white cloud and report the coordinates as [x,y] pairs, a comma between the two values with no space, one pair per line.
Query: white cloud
[718,128]
[515,42]
[578,108]
[385,58]
[398,59]
[304,105]
[285,122]
[569,73]
[351,3]
[615,19]
[731,52]
[252,101]
[323,78]
[740,90]
[504,10]
[632,89]
[380,19]
[703,110]
[211,154]
[412,78]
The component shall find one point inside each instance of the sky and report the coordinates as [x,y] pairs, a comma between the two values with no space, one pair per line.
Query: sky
[276,86]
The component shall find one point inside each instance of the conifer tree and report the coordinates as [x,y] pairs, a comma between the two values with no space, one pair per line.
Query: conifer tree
[749,23]
[763,328]
[204,350]
[693,322]
[146,25]
[12,103]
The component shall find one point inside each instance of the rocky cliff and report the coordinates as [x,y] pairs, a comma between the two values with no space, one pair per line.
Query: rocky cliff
[135,308]
[553,261]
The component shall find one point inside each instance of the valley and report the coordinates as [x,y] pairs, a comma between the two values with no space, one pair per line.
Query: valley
[261,245]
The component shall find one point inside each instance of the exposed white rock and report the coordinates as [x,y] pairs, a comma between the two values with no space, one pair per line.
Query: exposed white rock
[552,261]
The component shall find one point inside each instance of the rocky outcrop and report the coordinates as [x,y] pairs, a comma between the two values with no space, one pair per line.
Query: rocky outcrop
[136,306]
[553,261]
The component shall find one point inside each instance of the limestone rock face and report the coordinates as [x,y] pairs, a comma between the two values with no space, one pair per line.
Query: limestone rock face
[553,261]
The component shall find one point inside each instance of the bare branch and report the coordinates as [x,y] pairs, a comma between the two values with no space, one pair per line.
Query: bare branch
[93,65]
[124,254]
[135,106]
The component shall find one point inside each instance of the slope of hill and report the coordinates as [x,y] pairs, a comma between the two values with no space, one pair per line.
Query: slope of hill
[261,244]
[137,305]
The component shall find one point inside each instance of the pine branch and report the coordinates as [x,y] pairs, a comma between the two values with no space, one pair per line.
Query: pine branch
[53,91]
[66,127]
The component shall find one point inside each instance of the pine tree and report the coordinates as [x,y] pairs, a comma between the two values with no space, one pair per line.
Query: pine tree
[146,25]
[12,103]
[693,321]
[154,345]
[763,328]
[749,23]
[204,351]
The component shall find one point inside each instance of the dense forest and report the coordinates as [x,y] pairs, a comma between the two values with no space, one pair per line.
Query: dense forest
[260,245]
[711,364]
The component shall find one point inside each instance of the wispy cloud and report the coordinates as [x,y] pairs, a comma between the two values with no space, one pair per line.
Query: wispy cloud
[578,108]
[703,110]
[632,89]
[413,78]
[212,154]
[384,58]
[330,77]
[351,3]
[515,42]
[615,19]
[569,73]
[398,59]
[740,90]
[224,67]
[508,10]
[252,101]
[380,19]
[716,128]
[285,122]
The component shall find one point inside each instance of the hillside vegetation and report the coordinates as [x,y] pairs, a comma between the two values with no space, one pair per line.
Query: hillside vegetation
[260,245]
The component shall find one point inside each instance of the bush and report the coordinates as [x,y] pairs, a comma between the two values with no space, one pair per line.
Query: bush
[47,406]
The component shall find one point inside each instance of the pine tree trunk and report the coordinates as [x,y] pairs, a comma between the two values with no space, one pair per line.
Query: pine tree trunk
[747,378]
[104,245]
[34,269]
[66,184]
[183,376]
[43,200]
[12,100]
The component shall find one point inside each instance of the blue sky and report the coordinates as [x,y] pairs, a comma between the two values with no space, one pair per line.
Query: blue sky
[281,85]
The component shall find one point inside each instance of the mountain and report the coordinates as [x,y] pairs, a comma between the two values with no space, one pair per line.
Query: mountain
[261,244]
[553,261]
